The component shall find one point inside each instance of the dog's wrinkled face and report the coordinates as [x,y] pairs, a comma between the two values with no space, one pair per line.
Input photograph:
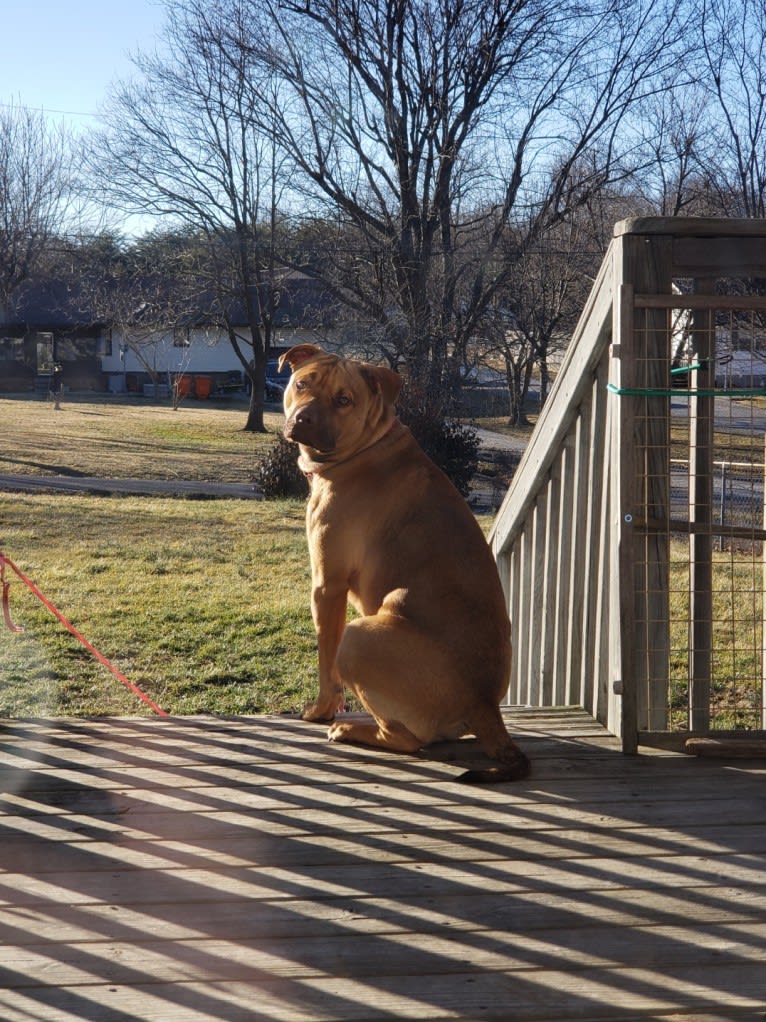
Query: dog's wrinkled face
[336,406]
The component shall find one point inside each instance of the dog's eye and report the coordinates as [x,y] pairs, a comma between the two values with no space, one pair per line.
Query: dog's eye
[342,400]
[300,384]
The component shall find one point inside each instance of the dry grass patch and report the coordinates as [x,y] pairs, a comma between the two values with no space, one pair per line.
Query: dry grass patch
[118,438]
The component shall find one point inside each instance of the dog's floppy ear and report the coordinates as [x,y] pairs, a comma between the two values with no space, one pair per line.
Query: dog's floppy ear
[384,381]
[298,355]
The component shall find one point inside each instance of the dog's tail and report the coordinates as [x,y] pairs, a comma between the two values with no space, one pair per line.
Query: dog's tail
[516,770]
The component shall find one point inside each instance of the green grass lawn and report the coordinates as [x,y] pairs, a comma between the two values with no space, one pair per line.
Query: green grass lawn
[202,604]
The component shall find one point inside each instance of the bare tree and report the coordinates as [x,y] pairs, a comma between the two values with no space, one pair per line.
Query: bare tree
[669,182]
[734,45]
[145,290]
[704,143]
[36,192]
[184,144]
[435,130]
[534,317]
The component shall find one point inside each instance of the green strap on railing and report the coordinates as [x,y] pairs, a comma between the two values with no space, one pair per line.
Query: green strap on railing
[686,369]
[683,392]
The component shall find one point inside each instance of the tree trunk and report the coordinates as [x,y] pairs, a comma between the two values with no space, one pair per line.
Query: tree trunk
[255,423]
[517,392]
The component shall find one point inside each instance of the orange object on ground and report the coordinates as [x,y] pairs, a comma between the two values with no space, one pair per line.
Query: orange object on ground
[202,387]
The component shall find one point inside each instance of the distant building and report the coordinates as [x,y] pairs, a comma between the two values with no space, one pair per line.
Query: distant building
[48,321]
[51,321]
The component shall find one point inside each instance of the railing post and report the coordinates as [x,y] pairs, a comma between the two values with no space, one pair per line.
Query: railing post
[702,415]
[644,457]
[590,585]
[624,510]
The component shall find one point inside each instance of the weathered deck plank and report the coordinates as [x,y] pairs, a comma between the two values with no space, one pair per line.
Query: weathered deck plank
[197,870]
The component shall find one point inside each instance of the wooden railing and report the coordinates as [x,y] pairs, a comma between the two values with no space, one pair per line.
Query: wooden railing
[583,538]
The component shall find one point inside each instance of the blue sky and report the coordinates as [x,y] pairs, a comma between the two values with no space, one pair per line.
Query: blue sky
[61,55]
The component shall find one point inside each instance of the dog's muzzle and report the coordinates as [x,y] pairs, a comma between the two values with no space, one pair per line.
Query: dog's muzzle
[305,427]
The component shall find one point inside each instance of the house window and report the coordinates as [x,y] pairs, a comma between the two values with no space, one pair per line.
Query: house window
[104,344]
[44,343]
[181,337]
[11,349]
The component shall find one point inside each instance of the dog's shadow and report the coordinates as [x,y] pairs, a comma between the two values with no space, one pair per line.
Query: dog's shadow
[462,759]
[460,753]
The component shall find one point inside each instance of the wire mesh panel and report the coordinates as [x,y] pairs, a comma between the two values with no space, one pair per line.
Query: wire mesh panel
[631,542]
[705,505]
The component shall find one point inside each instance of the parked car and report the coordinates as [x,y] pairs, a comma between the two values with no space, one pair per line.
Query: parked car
[276,380]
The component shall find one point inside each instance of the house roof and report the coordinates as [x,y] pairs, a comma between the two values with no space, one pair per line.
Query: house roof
[301,301]
[49,304]
[58,304]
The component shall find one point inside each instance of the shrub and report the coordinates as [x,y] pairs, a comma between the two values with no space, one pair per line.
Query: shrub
[447,442]
[277,473]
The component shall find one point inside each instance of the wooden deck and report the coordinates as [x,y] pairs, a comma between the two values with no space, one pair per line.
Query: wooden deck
[196,869]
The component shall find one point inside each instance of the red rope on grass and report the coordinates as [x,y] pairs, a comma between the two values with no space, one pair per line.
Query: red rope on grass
[57,613]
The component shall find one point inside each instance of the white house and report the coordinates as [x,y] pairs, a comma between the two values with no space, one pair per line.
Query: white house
[138,364]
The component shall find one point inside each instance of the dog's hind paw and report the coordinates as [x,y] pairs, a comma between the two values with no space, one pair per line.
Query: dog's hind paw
[339,732]
[319,713]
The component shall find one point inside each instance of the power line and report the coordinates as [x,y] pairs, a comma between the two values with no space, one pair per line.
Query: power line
[49,110]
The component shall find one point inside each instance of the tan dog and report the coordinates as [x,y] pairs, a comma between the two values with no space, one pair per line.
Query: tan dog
[429,654]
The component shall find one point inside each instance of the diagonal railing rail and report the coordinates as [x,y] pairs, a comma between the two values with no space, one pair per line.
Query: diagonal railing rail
[605,548]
